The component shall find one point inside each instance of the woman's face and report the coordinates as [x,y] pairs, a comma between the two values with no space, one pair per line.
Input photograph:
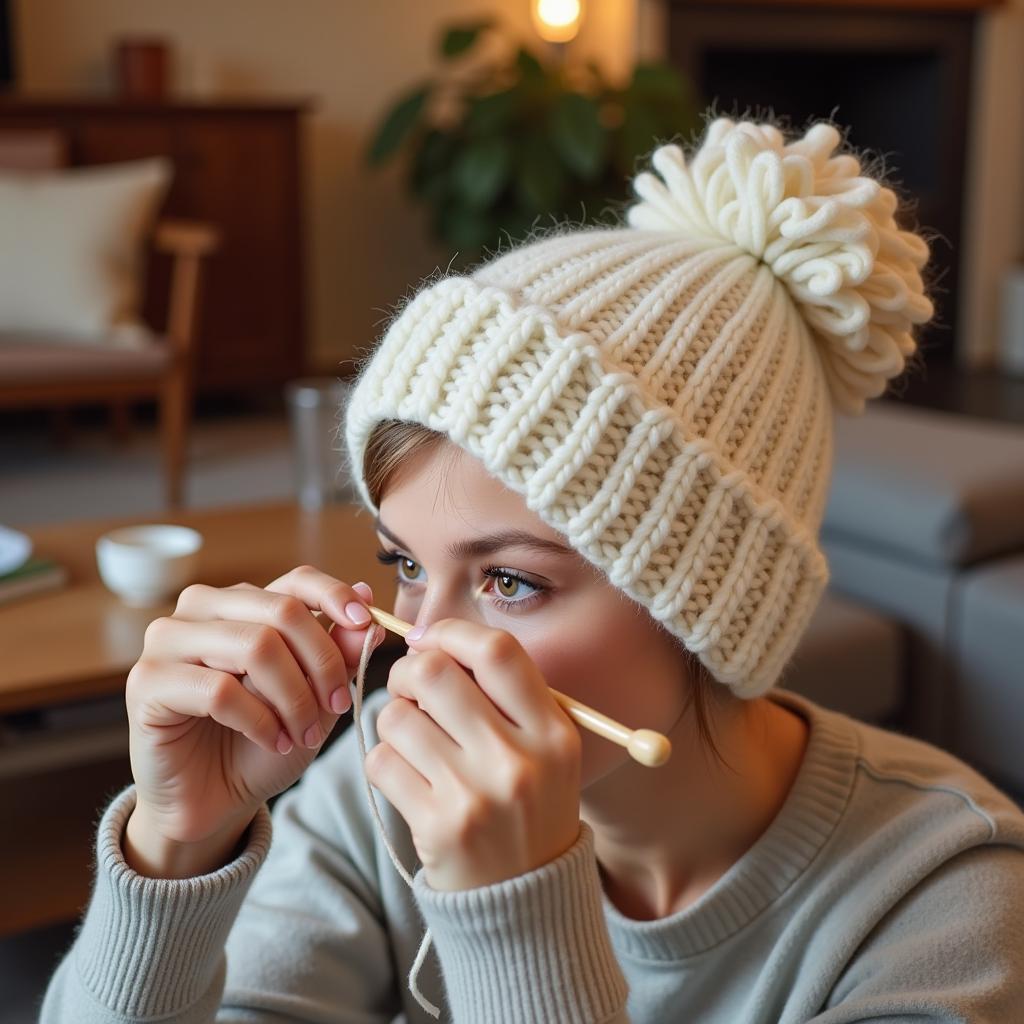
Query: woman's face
[588,639]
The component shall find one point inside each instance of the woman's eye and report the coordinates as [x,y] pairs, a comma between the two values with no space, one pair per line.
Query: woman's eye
[404,563]
[386,557]
[508,587]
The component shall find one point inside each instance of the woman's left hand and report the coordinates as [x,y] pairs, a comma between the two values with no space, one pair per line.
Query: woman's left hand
[477,756]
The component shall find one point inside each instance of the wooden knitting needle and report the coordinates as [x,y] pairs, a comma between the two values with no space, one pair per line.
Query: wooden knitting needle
[644,745]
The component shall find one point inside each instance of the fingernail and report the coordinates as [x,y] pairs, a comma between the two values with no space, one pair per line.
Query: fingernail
[415,633]
[364,590]
[340,700]
[312,735]
[357,613]
[284,742]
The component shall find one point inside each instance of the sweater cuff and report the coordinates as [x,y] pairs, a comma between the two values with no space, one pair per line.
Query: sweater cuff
[533,948]
[150,947]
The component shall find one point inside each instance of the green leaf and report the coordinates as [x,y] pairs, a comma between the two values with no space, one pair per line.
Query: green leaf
[637,137]
[529,67]
[481,171]
[541,179]
[675,117]
[595,69]
[429,174]
[398,124]
[656,80]
[459,38]
[491,114]
[464,228]
[516,223]
[577,133]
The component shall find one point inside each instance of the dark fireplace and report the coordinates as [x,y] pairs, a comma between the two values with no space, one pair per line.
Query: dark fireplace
[898,78]
[6,46]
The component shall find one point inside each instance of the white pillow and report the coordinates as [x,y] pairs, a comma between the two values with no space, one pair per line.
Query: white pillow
[71,247]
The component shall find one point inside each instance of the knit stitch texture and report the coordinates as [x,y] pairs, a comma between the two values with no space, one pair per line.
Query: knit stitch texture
[662,393]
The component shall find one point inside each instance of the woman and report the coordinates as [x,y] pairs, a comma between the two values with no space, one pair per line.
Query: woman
[599,464]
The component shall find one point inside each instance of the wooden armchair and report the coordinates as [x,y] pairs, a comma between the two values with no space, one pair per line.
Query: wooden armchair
[42,371]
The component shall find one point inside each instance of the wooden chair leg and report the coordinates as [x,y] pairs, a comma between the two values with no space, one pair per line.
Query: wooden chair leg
[175,415]
[120,421]
[188,244]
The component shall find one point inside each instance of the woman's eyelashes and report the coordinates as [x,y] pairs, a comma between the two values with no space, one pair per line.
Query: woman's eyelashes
[501,576]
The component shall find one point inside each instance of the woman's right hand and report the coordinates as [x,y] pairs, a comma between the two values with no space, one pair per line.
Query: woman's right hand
[229,703]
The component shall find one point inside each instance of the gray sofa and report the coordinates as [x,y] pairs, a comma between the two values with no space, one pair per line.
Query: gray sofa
[922,626]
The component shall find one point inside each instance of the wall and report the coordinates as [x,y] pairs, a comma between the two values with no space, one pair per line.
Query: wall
[367,242]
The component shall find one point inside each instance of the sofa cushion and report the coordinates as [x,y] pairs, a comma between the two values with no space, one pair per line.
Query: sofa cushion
[942,488]
[851,659]
[42,359]
[918,596]
[988,646]
[71,246]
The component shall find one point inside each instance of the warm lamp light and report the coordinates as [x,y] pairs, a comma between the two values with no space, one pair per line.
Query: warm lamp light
[556,21]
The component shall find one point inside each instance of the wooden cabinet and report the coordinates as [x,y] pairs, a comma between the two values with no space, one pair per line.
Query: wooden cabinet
[238,166]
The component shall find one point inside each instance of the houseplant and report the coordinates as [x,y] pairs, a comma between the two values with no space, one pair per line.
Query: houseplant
[526,142]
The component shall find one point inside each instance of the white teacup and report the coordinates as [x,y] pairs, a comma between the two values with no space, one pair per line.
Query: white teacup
[146,565]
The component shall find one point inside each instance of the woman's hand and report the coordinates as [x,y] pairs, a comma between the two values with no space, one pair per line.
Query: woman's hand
[477,756]
[229,703]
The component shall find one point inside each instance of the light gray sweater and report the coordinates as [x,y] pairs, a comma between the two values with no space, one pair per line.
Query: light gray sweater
[889,887]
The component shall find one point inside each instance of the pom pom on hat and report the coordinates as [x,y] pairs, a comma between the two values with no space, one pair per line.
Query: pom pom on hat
[827,232]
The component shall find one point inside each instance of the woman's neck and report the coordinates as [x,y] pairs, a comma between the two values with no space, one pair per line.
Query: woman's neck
[663,837]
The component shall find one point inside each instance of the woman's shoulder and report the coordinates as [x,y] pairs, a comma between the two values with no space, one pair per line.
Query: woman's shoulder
[914,790]
[936,857]
[940,781]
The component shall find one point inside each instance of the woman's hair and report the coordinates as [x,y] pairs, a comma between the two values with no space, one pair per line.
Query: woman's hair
[393,443]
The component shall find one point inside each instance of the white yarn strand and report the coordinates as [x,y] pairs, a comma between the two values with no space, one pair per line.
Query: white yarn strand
[357,707]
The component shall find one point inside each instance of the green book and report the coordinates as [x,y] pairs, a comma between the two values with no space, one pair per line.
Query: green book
[37,574]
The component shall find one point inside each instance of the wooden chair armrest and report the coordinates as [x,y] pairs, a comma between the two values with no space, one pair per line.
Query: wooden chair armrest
[186,237]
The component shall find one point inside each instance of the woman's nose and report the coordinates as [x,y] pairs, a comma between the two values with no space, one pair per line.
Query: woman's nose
[431,611]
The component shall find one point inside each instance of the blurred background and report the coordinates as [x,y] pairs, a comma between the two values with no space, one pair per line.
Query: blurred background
[210,208]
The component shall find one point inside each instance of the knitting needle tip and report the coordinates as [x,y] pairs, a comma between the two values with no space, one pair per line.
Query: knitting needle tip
[645,746]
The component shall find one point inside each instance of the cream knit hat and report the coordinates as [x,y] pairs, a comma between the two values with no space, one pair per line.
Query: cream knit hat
[662,393]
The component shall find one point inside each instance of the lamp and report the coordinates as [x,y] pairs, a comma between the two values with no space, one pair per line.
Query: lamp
[556,21]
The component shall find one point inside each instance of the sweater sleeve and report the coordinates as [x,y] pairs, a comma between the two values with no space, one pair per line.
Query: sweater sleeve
[150,947]
[534,949]
[952,949]
[319,926]
[293,929]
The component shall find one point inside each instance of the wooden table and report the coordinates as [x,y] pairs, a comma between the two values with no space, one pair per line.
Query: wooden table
[81,641]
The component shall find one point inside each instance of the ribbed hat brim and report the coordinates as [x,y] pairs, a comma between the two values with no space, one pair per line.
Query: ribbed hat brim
[721,563]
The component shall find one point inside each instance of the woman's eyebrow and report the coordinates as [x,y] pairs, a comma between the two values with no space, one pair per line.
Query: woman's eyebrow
[490,543]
